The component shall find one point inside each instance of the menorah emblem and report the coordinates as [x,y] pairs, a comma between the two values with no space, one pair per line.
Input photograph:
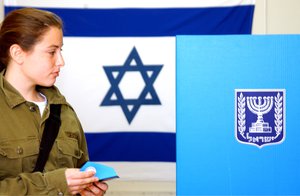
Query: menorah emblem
[260,106]
[260,116]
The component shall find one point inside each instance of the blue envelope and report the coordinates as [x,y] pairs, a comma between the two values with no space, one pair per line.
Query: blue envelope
[103,172]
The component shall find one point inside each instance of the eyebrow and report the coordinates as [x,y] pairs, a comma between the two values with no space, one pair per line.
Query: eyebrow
[55,46]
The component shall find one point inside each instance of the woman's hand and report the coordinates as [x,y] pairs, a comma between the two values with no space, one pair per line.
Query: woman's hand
[78,180]
[95,189]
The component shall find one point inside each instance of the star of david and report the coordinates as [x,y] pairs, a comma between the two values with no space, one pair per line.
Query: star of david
[147,96]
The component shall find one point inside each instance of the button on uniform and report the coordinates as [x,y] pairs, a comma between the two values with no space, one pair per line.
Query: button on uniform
[77,153]
[19,150]
[32,108]
[60,194]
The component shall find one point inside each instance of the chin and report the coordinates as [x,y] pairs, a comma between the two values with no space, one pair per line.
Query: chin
[47,84]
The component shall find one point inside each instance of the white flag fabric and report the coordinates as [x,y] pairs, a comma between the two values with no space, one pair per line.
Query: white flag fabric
[120,72]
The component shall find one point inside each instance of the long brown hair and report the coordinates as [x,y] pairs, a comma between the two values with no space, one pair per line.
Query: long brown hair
[24,27]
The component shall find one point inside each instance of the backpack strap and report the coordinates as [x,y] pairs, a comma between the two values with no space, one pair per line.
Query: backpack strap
[50,133]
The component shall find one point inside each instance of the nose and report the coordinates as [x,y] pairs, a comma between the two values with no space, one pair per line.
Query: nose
[60,60]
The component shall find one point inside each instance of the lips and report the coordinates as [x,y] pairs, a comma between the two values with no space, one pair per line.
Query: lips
[56,74]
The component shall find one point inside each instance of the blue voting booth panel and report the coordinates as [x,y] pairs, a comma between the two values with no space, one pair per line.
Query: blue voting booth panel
[238,115]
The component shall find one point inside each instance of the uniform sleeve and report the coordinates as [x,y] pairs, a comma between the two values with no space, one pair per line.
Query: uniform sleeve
[37,183]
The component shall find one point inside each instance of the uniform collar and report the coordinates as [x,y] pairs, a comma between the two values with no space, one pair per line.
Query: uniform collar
[12,96]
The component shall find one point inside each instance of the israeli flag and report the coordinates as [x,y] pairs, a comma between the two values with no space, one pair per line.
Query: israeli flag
[120,72]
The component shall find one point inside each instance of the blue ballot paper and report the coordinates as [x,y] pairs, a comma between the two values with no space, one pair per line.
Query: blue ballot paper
[103,172]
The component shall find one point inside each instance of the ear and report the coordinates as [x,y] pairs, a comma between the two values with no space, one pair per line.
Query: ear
[16,53]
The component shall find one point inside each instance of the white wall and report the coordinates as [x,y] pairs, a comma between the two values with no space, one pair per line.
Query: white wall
[1,10]
[276,17]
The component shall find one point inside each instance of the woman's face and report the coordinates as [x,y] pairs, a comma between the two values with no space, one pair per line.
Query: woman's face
[42,64]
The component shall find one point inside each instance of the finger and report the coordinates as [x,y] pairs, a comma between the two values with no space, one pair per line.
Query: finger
[86,192]
[95,190]
[81,181]
[76,173]
[83,174]
[77,189]
[102,185]
[80,184]
[78,178]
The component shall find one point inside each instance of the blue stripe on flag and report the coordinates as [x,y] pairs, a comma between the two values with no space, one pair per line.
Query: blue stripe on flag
[132,146]
[155,22]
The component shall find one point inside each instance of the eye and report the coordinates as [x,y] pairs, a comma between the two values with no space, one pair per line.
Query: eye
[52,52]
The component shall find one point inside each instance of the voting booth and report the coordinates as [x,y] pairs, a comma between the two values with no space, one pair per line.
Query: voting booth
[238,115]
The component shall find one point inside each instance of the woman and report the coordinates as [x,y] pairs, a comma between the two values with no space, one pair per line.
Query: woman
[31,42]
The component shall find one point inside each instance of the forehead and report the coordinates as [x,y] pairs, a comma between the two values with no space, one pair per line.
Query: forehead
[52,37]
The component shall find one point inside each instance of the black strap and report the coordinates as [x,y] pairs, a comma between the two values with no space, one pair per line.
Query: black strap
[52,125]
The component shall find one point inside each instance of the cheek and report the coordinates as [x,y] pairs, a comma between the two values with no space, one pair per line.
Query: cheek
[41,70]
[41,65]
[46,65]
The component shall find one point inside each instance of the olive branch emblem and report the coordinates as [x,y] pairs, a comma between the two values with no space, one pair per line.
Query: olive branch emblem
[241,115]
[278,115]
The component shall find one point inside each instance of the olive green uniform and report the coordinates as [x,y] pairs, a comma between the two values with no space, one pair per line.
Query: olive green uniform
[21,129]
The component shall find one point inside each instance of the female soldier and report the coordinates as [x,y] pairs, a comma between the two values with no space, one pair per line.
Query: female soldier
[30,60]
